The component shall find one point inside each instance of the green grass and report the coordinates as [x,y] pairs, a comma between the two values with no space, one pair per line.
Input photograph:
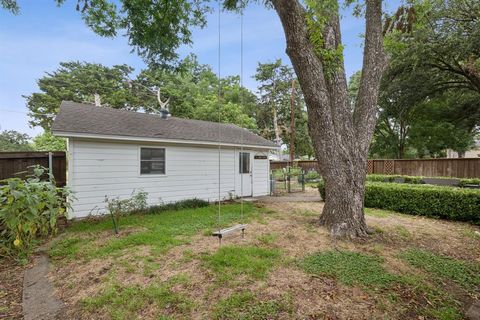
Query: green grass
[444,313]
[470,233]
[158,231]
[245,305]
[464,273]
[403,232]
[367,272]
[377,212]
[230,262]
[125,302]
[350,268]
[268,239]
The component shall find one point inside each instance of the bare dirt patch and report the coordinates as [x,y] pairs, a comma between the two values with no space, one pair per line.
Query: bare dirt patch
[11,284]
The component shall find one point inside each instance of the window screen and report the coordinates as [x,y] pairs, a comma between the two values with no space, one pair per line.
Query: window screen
[152,161]
[244,162]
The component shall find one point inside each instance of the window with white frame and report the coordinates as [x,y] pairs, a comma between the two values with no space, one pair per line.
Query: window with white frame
[152,160]
[244,162]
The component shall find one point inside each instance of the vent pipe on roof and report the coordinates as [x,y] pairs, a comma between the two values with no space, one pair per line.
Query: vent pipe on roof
[163,105]
[164,113]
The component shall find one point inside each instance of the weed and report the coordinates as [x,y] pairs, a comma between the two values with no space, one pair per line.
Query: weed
[350,268]
[229,262]
[470,233]
[465,274]
[267,239]
[245,305]
[403,232]
[125,302]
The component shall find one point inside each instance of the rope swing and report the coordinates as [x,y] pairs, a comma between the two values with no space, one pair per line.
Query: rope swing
[221,232]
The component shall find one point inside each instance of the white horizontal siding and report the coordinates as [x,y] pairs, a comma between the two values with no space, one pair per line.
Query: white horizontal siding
[99,169]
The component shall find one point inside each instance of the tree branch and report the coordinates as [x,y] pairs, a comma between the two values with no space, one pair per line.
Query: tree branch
[310,73]
[374,63]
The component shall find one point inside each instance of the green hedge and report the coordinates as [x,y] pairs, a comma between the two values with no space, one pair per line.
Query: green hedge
[418,179]
[426,200]
[391,178]
[474,181]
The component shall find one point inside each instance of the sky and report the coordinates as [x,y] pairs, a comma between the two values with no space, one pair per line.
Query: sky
[43,35]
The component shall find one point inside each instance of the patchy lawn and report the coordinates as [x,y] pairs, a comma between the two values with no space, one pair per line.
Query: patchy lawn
[167,266]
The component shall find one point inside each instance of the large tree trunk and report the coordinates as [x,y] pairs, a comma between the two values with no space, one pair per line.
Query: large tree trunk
[343,211]
[341,137]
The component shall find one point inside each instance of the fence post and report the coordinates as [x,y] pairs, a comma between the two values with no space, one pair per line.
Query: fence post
[272,183]
[288,181]
[303,180]
[50,165]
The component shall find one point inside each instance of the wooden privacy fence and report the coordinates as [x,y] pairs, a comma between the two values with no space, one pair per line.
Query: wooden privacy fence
[16,164]
[444,167]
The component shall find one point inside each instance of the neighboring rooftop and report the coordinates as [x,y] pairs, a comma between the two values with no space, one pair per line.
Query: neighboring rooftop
[81,118]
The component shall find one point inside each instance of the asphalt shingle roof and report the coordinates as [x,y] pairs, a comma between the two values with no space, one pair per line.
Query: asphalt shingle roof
[82,118]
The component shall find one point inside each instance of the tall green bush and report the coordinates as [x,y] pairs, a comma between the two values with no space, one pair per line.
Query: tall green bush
[29,209]
[418,199]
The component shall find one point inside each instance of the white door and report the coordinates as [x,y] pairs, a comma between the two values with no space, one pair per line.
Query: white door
[261,175]
[245,172]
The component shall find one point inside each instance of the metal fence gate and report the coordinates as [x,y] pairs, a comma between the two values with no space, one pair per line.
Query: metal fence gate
[287,180]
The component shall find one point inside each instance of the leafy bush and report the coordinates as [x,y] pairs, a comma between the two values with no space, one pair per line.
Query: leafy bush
[179,205]
[29,209]
[473,181]
[417,179]
[427,200]
[394,178]
[321,189]
[312,175]
[116,207]
[433,201]
[278,174]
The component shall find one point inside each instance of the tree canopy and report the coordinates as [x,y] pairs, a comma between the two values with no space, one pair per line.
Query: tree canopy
[11,140]
[79,82]
[429,96]
[273,113]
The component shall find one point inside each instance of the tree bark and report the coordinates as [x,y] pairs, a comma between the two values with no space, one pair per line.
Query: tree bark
[341,137]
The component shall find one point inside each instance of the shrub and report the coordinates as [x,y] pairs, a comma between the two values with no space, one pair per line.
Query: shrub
[427,200]
[278,174]
[474,181]
[179,205]
[392,178]
[29,209]
[433,201]
[321,188]
[312,175]
[116,207]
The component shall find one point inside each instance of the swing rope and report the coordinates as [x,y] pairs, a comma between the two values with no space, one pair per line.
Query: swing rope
[219,116]
[242,105]
[242,226]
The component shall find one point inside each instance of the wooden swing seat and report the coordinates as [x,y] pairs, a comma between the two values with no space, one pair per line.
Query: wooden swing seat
[222,232]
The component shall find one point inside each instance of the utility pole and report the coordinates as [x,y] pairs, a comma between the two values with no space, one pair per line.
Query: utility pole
[292,124]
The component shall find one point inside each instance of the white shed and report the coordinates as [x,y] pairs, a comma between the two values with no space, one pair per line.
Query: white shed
[112,153]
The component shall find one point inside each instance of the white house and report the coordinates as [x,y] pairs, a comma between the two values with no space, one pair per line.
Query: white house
[112,153]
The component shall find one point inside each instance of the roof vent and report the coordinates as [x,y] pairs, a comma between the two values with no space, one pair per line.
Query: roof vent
[165,113]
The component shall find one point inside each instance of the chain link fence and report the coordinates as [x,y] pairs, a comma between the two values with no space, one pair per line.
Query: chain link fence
[287,180]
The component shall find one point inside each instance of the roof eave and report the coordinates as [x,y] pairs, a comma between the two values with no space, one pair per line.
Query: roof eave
[67,134]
